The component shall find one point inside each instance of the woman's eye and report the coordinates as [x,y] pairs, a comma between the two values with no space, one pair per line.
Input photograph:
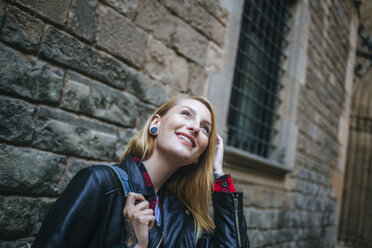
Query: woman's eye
[186,113]
[206,129]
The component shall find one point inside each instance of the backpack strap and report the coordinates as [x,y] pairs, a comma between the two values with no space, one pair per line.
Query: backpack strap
[123,176]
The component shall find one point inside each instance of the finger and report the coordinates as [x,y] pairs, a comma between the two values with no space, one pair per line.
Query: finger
[152,223]
[130,202]
[145,219]
[148,211]
[142,205]
[133,197]
[135,213]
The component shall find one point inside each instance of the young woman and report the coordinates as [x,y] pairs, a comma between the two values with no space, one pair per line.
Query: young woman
[173,164]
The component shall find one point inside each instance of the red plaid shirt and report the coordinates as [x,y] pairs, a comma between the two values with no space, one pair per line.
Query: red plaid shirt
[222,184]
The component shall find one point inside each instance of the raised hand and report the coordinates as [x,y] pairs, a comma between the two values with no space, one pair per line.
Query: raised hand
[139,219]
[218,158]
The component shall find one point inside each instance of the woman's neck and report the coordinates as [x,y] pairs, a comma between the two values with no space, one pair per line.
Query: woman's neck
[159,168]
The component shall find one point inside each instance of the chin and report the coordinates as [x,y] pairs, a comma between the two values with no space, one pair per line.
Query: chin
[184,157]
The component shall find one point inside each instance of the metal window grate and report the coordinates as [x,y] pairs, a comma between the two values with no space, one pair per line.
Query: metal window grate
[257,71]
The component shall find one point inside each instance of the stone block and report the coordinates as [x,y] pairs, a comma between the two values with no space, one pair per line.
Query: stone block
[261,218]
[145,111]
[20,243]
[113,105]
[2,12]
[21,217]
[76,93]
[215,9]
[198,80]
[120,37]
[121,145]
[190,43]
[54,10]
[199,18]
[73,167]
[304,202]
[156,20]
[66,133]
[68,51]
[81,18]
[146,89]
[261,238]
[34,80]
[262,197]
[214,57]
[127,7]
[164,65]
[17,120]
[21,29]
[29,171]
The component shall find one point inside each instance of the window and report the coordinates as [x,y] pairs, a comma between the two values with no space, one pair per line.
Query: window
[254,94]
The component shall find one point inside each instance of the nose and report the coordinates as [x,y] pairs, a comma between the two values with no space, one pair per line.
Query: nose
[194,129]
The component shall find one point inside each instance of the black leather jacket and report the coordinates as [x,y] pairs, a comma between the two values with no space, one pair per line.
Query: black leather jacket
[89,214]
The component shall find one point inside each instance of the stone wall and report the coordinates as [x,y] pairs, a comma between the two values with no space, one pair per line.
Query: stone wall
[79,77]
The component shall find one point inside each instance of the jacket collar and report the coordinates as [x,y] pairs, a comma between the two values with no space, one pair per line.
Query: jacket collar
[136,180]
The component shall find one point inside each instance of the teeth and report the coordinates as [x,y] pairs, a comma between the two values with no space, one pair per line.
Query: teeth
[185,138]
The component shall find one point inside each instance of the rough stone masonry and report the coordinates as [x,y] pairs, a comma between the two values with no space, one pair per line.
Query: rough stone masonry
[78,78]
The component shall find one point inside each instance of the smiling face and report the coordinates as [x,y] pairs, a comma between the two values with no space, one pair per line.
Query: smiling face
[184,131]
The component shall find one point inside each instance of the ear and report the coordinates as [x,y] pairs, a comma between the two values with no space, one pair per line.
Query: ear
[155,122]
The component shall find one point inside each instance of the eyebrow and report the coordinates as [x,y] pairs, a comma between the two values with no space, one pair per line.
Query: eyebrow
[193,111]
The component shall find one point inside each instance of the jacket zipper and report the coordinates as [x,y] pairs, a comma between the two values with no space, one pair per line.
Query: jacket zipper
[162,236]
[161,240]
[187,245]
[235,197]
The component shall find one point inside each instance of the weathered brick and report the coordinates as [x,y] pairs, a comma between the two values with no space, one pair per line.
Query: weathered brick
[76,93]
[214,57]
[66,133]
[145,111]
[17,121]
[113,105]
[264,197]
[20,243]
[21,217]
[198,17]
[266,218]
[121,144]
[127,7]
[68,51]
[121,37]
[146,89]
[34,80]
[164,65]
[54,10]
[2,12]
[21,29]
[29,171]
[198,80]
[215,9]
[73,167]
[155,19]
[81,18]
[190,43]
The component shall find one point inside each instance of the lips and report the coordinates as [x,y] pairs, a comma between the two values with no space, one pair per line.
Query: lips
[187,138]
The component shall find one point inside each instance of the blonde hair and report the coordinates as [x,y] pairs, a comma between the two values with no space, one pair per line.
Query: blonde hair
[191,184]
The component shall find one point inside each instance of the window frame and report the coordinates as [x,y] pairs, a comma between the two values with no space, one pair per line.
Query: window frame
[281,160]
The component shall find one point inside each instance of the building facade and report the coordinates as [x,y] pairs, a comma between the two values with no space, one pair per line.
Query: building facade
[79,77]
[355,229]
